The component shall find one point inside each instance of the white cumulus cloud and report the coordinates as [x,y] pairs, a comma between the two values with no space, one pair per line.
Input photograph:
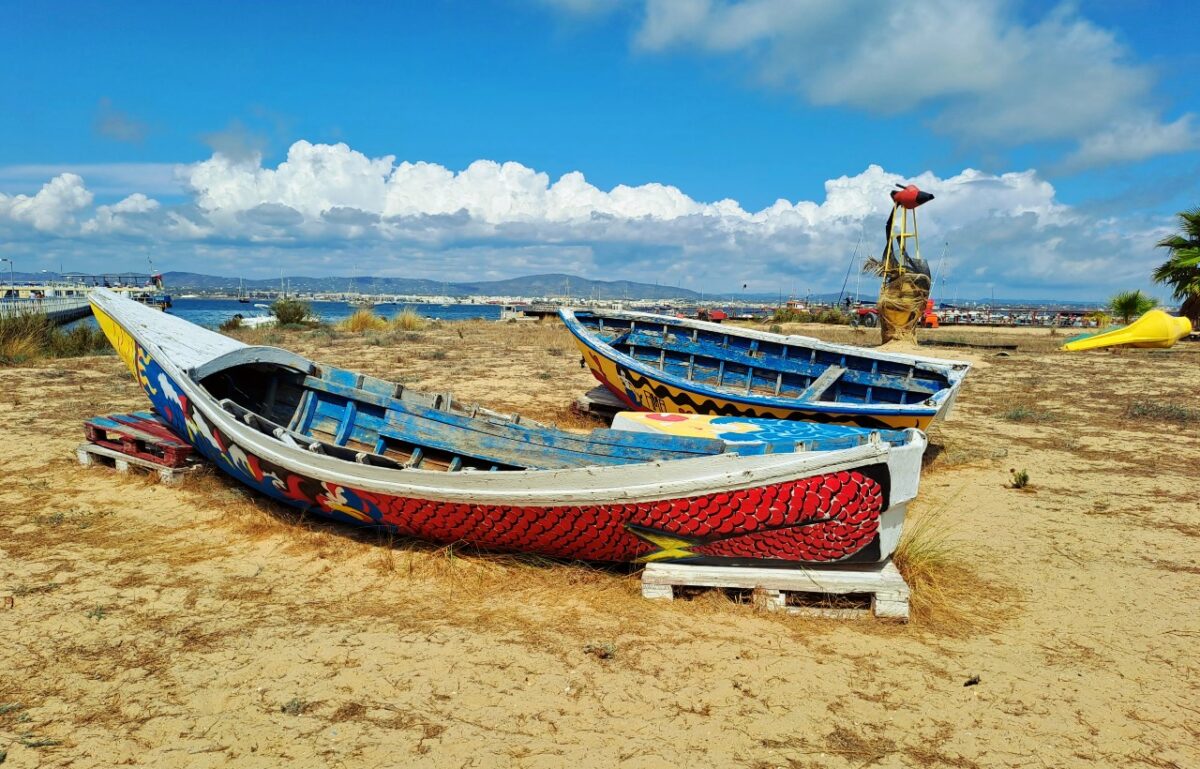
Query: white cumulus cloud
[326,208]
[985,72]
[52,208]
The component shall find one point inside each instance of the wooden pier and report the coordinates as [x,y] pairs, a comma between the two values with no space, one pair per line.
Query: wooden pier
[57,309]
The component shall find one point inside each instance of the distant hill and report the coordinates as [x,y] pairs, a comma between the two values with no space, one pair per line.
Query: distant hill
[529,286]
[555,284]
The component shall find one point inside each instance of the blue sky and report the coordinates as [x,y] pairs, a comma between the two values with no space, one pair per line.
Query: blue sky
[1059,140]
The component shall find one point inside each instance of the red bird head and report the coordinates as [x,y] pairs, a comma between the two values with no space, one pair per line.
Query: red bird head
[910,197]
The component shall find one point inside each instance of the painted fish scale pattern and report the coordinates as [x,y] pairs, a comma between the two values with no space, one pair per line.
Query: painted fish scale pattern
[825,518]
[819,519]
[845,507]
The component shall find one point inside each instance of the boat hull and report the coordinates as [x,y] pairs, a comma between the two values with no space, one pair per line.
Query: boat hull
[645,388]
[833,507]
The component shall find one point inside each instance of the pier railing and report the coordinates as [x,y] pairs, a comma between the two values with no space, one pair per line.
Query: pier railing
[59,309]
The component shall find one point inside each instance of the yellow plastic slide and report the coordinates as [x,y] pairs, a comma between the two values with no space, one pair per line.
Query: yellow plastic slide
[1154,329]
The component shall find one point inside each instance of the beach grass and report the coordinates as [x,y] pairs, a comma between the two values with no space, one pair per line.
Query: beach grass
[28,337]
[947,596]
[363,320]
[408,319]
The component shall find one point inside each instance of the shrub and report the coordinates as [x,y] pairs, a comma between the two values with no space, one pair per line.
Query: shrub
[290,311]
[1018,479]
[30,336]
[23,337]
[233,324]
[1167,412]
[1025,413]
[791,315]
[833,316]
[408,319]
[363,320]
[81,339]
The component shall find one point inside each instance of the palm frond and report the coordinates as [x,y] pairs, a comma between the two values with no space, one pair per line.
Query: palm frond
[873,265]
[1189,222]
[1129,304]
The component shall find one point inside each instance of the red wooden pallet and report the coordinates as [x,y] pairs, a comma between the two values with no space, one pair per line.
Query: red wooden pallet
[140,434]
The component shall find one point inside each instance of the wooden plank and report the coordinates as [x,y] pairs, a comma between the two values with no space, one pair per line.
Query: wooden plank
[889,592]
[822,383]
[627,447]
[600,398]
[482,445]
[859,373]
[136,436]
[149,423]
[90,454]
[347,426]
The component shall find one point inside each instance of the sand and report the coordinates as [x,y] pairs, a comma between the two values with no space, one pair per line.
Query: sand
[199,626]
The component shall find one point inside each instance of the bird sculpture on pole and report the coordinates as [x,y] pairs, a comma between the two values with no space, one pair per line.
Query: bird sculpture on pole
[906,284]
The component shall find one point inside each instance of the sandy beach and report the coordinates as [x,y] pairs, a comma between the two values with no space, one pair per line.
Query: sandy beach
[201,626]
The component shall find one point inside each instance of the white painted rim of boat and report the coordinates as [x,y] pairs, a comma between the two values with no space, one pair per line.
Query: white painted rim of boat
[944,366]
[581,486]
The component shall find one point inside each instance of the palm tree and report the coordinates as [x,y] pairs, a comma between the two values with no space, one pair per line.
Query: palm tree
[1129,304]
[1181,271]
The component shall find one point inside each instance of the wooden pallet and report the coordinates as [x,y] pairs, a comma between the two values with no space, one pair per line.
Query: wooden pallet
[787,589]
[141,435]
[91,454]
[599,402]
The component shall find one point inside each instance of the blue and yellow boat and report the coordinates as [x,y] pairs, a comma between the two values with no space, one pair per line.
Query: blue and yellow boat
[664,364]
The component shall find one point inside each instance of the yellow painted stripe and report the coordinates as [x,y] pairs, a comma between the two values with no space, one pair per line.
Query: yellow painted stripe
[119,338]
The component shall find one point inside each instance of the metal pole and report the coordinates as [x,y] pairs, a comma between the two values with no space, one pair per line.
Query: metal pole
[853,259]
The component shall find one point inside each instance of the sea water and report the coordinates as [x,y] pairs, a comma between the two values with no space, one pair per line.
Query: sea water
[213,312]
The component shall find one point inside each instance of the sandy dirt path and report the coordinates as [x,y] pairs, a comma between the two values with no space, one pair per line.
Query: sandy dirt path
[201,626]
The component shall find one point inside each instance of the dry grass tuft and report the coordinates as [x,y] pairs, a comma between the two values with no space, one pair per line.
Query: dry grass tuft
[1163,412]
[947,596]
[363,320]
[863,749]
[30,336]
[409,319]
[1026,413]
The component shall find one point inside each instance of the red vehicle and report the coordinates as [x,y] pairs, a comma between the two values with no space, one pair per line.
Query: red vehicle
[869,316]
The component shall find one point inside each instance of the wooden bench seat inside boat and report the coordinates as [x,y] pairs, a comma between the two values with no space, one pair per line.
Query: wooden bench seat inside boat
[769,368]
[372,421]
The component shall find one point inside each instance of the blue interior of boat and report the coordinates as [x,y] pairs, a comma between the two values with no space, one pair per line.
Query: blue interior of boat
[373,421]
[748,366]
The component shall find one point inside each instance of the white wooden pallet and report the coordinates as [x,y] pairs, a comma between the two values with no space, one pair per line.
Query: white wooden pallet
[882,581]
[90,454]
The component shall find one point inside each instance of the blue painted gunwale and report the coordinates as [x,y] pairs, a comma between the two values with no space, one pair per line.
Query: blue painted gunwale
[350,413]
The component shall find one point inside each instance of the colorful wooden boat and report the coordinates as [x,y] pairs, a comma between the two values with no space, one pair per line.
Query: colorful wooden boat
[366,451]
[665,364]
[1155,329]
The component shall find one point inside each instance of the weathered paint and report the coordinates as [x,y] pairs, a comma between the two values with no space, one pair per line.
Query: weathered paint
[877,390]
[746,435]
[836,506]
